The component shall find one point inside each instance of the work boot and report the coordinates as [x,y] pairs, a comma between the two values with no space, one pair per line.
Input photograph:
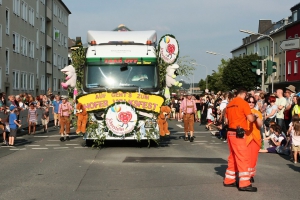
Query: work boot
[230,185]
[251,180]
[68,138]
[248,189]
[62,139]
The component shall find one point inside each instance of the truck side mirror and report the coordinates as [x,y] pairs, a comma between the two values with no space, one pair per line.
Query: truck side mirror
[124,67]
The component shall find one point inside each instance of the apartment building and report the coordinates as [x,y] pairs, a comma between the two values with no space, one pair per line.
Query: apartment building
[33,45]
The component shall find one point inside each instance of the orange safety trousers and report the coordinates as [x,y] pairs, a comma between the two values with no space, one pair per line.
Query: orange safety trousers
[81,123]
[253,149]
[238,161]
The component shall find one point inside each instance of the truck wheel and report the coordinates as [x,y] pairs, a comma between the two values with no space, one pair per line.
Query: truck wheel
[89,143]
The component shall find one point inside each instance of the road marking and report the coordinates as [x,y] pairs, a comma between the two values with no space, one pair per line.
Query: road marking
[60,147]
[52,140]
[198,143]
[52,145]
[33,145]
[18,149]
[201,141]
[179,125]
[42,136]
[72,144]
[7,146]
[39,148]
[174,144]
[215,143]
[80,147]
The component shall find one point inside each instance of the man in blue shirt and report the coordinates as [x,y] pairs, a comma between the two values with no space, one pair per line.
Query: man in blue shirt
[56,104]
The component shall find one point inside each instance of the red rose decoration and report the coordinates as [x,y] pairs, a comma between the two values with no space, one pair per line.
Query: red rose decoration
[125,117]
[171,48]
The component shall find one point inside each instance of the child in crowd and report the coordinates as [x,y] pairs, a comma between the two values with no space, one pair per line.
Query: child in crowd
[14,123]
[210,117]
[2,128]
[32,119]
[45,119]
[295,138]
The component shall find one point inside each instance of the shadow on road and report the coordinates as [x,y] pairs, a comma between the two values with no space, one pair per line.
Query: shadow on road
[221,170]
[294,167]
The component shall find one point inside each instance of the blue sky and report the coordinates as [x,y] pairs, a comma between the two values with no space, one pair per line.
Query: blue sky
[198,25]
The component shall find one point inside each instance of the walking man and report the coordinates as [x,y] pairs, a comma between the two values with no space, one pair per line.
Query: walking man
[281,103]
[64,110]
[56,104]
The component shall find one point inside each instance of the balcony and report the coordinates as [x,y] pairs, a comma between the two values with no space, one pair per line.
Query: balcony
[49,68]
[49,14]
[49,41]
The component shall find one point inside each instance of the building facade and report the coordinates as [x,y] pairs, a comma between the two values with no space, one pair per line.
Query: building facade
[33,45]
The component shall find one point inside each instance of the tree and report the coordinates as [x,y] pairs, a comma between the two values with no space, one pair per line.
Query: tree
[238,73]
[78,61]
[202,84]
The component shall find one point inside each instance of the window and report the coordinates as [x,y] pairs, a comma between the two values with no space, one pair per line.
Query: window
[0,2]
[31,49]
[280,50]
[275,48]
[31,81]
[7,61]
[23,81]
[24,10]
[54,33]
[37,38]
[0,35]
[296,35]
[47,82]
[54,84]
[295,16]
[37,8]
[7,21]
[42,24]
[16,81]
[289,67]
[31,16]
[1,78]
[43,2]
[59,84]
[16,7]
[23,46]
[54,59]
[295,66]
[43,82]
[42,54]
[55,9]
[66,41]
[16,42]
[37,68]
[58,61]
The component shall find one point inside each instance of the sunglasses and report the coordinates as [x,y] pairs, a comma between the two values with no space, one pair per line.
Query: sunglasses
[251,102]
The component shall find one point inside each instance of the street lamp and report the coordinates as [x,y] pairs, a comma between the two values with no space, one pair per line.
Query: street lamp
[215,53]
[206,72]
[253,33]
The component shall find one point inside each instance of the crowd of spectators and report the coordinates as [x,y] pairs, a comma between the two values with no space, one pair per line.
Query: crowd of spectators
[14,104]
[280,111]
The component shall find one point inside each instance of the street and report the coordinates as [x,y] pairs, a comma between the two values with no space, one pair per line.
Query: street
[42,167]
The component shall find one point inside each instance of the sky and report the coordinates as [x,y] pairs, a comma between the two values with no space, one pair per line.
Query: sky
[198,25]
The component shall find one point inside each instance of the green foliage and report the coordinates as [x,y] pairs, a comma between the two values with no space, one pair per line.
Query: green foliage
[238,73]
[78,61]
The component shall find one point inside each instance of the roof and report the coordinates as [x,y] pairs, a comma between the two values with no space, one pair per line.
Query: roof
[295,7]
[64,5]
[115,36]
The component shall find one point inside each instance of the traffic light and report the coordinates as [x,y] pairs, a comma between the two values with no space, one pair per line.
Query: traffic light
[270,65]
[256,68]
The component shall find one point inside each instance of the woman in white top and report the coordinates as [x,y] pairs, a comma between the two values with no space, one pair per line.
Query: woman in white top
[270,113]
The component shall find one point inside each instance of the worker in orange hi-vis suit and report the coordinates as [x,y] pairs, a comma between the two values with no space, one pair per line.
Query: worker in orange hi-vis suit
[236,116]
[253,137]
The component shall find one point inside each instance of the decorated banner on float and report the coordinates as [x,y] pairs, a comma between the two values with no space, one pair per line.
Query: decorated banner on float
[102,100]
[168,49]
[120,118]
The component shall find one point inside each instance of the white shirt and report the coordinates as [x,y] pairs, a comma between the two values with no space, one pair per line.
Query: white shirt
[223,104]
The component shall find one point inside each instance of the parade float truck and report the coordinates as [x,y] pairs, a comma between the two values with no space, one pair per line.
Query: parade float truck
[121,89]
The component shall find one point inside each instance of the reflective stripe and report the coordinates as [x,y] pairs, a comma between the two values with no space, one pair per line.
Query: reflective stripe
[229,177]
[244,179]
[244,173]
[252,173]
[230,172]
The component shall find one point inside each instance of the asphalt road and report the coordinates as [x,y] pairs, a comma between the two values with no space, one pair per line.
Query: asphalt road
[42,167]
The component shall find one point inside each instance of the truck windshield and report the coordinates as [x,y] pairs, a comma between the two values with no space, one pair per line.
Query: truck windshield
[110,76]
